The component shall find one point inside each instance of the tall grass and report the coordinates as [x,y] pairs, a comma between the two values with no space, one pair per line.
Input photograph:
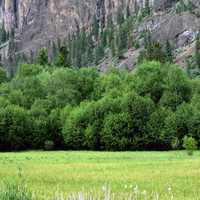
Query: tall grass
[18,191]
[14,191]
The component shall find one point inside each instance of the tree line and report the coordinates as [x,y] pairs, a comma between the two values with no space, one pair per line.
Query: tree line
[151,108]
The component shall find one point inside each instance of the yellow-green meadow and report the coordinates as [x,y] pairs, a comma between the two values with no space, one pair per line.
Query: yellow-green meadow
[123,172]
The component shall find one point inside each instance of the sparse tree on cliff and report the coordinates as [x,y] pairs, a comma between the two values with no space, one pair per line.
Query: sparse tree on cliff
[42,58]
[197,51]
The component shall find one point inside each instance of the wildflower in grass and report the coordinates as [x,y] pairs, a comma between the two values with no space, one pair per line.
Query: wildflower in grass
[145,194]
[135,189]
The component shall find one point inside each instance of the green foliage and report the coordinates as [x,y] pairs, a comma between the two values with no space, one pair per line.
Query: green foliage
[63,58]
[158,137]
[151,107]
[27,70]
[42,58]
[3,77]
[189,144]
[116,133]
[197,52]
[15,128]
[184,5]
[169,52]
[4,36]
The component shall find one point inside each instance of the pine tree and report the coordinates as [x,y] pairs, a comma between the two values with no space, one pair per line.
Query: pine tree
[104,38]
[54,49]
[42,58]
[154,52]
[3,34]
[90,47]
[168,52]
[147,8]
[120,16]
[122,39]
[147,39]
[197,51]
[113,48]
[110,31]
[95,28]
[99,53]
[128,14]
[63,59]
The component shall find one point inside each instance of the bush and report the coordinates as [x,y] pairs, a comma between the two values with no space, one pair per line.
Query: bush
[190,144]
[15,128]
[48,145]
[116,135]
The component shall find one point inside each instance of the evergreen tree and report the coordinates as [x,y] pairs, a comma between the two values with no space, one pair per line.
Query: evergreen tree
[110,31]
[3,34]
[99,53]
[120,16]
[154,52]
[54,49]
[113,48]
[90,46]
[104,38]
[147,39]
[63,59]
[42,58]
[197,51]
[147,8]
[168,52]
[122,39]
[95,28]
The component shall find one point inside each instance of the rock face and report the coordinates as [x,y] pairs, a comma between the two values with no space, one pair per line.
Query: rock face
[38,22]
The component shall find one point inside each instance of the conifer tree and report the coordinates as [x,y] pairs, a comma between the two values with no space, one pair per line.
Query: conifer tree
[95,28]
[99,53]
[120,16]
[3,34]
[90,47]
[154,52]
[113,47]
[147,8]
[197,51]
[168,52]
[122,39]
[62,59]
[42,58]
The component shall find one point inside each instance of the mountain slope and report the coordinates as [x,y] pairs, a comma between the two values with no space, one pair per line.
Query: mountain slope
[37,23]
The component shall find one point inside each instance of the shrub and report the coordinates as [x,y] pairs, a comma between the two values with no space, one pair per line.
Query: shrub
[15,128]
[157,138]
[190,144]
[116,135]
[48,145]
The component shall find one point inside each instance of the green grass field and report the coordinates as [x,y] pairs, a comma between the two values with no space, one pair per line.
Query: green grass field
[122,171]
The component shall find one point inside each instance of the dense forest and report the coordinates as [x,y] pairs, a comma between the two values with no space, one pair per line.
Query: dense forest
[151,108]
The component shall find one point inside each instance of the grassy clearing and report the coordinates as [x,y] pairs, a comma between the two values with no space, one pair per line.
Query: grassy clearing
[47,172]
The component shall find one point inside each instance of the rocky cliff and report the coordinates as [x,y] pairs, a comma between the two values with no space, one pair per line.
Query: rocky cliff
[37,23]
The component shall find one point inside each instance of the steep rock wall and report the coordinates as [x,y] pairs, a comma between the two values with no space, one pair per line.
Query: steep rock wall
[38,22]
